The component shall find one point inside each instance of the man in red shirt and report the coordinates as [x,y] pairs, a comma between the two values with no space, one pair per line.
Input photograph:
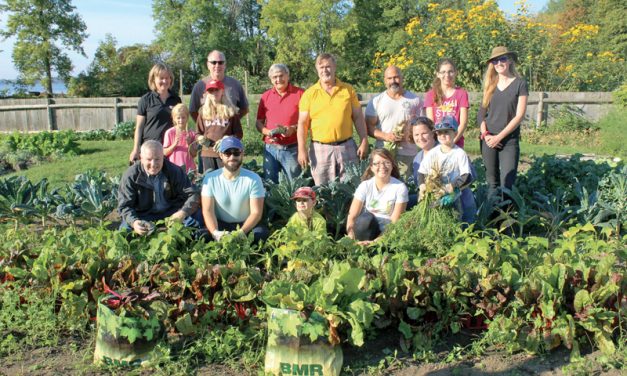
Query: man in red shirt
[277,120]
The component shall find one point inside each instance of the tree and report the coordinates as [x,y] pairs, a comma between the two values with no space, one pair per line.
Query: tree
[116,71]
[40,27]
[302,29]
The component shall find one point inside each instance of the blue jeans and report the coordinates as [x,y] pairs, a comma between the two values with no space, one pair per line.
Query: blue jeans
[278,158]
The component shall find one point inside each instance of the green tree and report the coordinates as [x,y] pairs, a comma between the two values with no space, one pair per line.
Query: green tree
[189,29]
[42,28]
[116,71]
[301,29]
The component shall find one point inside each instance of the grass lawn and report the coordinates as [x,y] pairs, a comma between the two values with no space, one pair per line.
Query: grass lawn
[112,156]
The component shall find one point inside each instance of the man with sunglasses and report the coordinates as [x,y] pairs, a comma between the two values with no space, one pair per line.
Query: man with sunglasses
[232,197]
[216,63]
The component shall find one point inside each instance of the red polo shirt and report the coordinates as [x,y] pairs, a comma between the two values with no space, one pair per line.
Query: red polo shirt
[280,110]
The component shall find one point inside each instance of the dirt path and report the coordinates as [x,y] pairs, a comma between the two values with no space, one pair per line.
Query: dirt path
[377,357]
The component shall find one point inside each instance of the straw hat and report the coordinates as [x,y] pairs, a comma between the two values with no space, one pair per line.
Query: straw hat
[500,51]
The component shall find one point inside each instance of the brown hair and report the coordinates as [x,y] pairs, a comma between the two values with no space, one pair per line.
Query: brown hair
[385,154]
[155,72]
[436,86]
[491,78]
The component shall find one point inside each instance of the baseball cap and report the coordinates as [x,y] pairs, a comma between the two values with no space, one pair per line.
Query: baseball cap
[230,142]
[304,192]
[214,84]
[447,123]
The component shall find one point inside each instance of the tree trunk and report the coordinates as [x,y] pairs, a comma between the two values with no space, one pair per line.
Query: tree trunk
[48,77]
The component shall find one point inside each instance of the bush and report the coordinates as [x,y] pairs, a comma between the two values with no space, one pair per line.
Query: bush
[124,130]
[620,95]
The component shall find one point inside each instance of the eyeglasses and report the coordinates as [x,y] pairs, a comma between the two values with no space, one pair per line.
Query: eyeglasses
[233,152]
[385,163]
[214,62]
[502,59]
[302,199]
[447,73]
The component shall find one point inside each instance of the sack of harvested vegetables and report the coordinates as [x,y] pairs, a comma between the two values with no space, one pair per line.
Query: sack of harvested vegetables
[290,350]
[125,337]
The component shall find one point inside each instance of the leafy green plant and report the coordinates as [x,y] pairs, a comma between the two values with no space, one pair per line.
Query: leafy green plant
[124,130]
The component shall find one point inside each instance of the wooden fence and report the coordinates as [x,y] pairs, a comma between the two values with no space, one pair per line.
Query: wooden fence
[84,114]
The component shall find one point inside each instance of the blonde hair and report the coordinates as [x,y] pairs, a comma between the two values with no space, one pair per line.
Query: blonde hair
[155,72]
[214,110]
[491,78]
[180,109]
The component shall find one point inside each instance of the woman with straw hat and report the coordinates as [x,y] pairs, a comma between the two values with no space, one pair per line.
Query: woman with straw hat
[502,109]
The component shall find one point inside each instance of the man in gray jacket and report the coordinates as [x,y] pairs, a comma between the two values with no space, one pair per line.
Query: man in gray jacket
[154,188]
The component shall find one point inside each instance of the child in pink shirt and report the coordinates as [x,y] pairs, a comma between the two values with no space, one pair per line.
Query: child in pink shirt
[177,139]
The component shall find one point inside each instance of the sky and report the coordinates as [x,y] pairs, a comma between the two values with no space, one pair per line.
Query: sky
[130,22]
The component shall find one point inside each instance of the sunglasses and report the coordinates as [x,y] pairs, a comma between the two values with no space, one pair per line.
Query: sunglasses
[233,152]
[214,62]
[502,59]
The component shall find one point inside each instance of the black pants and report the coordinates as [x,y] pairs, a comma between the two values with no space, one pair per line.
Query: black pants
[501,165]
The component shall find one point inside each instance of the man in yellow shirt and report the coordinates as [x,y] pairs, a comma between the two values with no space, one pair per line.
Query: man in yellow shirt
[329,109]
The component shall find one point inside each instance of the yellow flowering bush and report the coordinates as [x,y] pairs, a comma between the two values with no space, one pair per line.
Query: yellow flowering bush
[552,56]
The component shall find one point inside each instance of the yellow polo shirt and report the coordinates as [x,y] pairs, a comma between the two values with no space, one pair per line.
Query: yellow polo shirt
[330,114]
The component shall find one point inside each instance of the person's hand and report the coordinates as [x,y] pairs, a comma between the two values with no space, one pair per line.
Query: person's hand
[179,216]
[143,227]
[303,159]
[390,137]
[362,152]
[133,156]
[493,141]
[365,242]
[290,131]
[217,234]
[448,188]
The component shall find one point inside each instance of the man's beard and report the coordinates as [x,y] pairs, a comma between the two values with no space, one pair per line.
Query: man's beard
[395,87]
[233,166]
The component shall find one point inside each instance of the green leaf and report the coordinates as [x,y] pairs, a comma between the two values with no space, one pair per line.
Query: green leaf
[405,329]
[582,299]
[132,333]
[604,341]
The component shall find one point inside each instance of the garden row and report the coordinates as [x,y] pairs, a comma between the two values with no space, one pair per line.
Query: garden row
[19,150]
[549,270]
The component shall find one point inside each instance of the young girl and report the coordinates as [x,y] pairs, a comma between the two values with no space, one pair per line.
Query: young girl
[454,167]
[380,199]
[177,140]
[306,218]
[446,99]
[502,109]
[217,118]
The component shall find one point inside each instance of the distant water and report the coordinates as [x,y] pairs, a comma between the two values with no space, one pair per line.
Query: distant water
[11,87]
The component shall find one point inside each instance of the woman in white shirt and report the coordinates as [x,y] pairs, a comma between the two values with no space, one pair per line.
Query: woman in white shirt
[380,199]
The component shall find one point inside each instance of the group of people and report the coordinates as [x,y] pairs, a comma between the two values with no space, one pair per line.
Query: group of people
[314,128]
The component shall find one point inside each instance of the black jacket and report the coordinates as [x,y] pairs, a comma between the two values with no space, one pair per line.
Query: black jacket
[136,194]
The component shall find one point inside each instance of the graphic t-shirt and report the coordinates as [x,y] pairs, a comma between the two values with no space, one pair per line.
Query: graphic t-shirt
[451,165]
[450,106]
[381,202]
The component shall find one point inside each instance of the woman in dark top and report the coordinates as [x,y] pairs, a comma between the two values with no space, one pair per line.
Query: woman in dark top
[154,110]
[502,109]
